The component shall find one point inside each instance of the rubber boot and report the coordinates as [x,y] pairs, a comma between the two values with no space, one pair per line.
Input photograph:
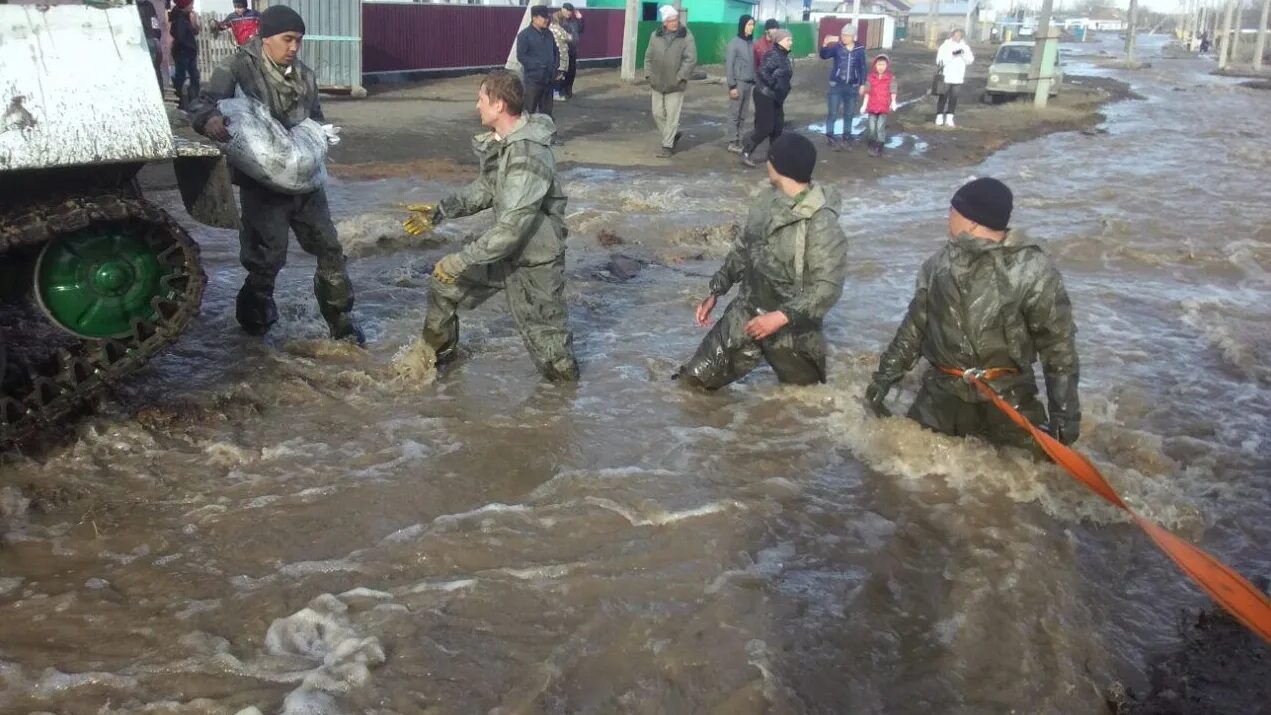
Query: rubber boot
[254,308]
[334,291]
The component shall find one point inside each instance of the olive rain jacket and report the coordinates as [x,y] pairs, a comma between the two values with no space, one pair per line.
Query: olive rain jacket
[670,59]
[518,181]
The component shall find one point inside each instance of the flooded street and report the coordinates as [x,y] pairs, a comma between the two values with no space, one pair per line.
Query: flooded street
[302,527]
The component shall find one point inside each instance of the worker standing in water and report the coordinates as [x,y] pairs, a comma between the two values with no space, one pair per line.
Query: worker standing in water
[991,302]
[790,263]
[268,70]
[523,253]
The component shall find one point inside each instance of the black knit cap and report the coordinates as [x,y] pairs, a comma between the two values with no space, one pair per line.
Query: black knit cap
[793,156]
[277,19]
[540,11]
[985,201]
[770,24]
[567,6]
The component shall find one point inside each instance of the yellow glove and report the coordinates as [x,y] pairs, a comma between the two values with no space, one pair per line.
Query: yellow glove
[448,268]
[423,218]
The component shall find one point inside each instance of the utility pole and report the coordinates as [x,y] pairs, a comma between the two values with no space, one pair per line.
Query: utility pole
[1224,49]
[933,34]
[966,26]
[630,29]
[1130,28]
[1045,51]
[1261,45]
[1237,22]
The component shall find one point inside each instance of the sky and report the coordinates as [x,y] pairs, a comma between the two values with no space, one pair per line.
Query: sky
[1168,6]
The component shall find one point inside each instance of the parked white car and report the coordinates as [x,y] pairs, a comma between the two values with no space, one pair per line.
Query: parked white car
[1008,75]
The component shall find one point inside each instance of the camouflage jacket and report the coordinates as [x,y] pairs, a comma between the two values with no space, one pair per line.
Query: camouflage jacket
[983,304]
[518,181]
[791,256]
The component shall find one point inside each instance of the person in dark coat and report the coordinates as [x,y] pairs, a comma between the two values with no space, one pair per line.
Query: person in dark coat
[242,23]
[152,28]
[772,85]
[267,70]
[764,43]
[846,76]
[539,59]
[183,26]
[574,25]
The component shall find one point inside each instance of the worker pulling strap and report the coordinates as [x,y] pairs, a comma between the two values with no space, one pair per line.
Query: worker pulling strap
[1242,599]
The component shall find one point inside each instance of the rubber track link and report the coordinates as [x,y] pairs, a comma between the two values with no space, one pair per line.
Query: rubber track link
[79,373]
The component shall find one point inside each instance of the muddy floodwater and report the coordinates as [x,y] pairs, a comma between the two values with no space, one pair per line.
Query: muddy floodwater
[300,527]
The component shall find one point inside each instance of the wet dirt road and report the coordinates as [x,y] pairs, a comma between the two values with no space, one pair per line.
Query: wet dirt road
[293,526]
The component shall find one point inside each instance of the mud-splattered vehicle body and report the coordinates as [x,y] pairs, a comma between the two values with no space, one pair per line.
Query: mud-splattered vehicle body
[94,279]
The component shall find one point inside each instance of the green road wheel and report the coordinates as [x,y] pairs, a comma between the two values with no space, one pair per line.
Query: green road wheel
[97,283]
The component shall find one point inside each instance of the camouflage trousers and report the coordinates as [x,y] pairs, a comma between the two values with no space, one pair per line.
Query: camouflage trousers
[938,408]
[727,354]
[536,299]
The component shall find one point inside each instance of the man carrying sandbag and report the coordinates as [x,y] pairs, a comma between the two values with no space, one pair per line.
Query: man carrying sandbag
[266,69]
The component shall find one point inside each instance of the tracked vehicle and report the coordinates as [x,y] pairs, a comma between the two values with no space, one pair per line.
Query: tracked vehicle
[94,279]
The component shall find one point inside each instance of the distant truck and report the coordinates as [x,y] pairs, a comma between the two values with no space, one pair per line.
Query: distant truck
[1009,73]
[94,279]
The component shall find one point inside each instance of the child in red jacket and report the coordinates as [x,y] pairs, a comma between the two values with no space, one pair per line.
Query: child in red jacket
[879,92]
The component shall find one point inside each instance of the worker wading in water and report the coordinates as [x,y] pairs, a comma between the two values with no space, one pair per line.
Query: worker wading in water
[266,69]
[790,263]
[523,253]
[991,301]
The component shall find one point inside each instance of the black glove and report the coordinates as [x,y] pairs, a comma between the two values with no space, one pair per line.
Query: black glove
[1065,408]
[875,394]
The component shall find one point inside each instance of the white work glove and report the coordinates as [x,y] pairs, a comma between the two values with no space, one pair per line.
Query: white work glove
[332,132]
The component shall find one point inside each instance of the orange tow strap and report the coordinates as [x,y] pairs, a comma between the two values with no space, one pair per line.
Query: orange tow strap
[1242,599]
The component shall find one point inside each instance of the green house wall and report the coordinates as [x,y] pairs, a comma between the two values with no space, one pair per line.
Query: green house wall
[712,39]
[722,11]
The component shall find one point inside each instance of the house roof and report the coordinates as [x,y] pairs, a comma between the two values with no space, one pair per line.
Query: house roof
[897,5]
[1107,13]
[945,8]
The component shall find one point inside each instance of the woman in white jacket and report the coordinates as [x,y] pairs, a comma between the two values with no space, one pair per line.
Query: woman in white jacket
[952,59]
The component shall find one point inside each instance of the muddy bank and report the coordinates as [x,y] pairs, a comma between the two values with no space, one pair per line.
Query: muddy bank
[1220,666]
[608,123]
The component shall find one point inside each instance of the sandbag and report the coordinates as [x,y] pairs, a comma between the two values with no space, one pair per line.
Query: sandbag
[291,161]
